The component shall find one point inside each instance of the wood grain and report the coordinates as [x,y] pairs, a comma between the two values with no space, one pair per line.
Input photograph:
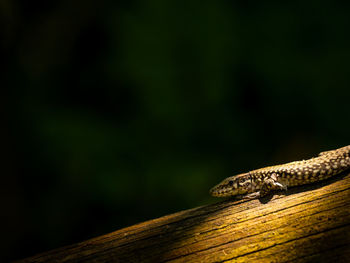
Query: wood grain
[306,224]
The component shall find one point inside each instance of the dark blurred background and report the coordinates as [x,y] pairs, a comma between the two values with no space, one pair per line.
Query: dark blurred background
[116,112]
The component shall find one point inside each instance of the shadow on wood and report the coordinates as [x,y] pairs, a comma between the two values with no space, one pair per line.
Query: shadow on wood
[308,224]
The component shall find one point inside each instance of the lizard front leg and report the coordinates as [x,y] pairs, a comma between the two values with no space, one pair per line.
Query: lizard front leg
[270,183]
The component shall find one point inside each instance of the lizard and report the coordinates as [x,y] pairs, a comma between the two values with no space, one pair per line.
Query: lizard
[259,183]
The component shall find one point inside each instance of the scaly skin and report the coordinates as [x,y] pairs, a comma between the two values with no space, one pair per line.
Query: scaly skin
[258,183]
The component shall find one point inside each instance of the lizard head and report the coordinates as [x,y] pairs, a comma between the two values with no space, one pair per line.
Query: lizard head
[234,185]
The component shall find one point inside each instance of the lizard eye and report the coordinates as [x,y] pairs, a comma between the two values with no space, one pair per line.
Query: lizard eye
[230,183]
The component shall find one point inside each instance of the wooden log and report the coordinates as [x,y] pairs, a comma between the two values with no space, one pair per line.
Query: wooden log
[306,224]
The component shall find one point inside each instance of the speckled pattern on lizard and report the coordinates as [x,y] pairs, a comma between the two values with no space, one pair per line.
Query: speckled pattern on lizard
[260,182]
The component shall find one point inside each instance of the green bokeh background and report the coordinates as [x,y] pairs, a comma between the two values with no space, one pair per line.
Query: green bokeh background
[121,111]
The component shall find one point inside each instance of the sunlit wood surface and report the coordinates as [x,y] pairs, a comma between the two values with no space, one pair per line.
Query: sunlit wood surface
[307,224]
